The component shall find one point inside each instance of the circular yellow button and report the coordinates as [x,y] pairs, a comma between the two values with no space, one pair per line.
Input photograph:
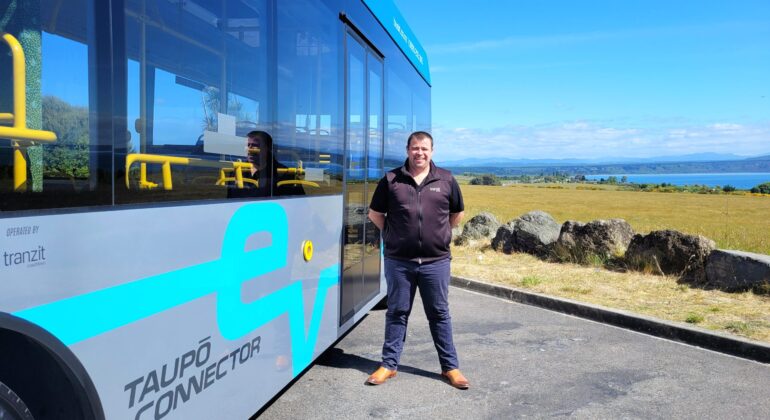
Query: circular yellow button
[307,250]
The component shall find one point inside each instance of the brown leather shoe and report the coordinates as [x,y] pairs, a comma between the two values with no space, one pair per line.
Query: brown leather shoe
[456,379]
[380,376]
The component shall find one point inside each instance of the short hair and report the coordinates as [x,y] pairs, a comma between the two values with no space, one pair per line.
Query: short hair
[263,136]
[419,135]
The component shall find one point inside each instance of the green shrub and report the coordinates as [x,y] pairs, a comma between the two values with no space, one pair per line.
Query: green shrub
[738,327]
[486,180]
[530,281]
[693,318]
[762,188]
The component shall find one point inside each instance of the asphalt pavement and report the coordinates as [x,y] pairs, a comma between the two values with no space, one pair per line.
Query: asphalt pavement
[527,362]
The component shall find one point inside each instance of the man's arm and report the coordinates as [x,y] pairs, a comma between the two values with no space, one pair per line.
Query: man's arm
[377,218]
[454,218]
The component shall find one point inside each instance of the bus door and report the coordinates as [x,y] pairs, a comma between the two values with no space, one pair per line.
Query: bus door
[361,252]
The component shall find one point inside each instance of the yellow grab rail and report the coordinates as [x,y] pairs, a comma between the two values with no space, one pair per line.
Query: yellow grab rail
[21,136]
[298,182]
[238,178]
[298,171]
[225,170]
[163,160]
[166,161]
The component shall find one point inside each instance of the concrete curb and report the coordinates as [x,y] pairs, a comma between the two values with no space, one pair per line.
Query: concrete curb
[711,340]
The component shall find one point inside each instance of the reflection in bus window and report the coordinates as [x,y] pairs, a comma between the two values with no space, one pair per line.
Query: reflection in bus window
[197,84]
[309,135]
[262,174]
[48,150]
[408,110]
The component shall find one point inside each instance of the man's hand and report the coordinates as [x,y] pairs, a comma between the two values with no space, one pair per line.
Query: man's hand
[377,218]
[454,218]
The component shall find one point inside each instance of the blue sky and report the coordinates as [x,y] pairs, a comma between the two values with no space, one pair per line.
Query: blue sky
[593,79]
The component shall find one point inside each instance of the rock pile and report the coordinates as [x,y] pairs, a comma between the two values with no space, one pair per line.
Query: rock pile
[693,258]
[533,233]
[605,239]
[671,252]
[737,271]
[479,227]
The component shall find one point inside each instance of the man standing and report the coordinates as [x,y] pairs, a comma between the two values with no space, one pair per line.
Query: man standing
[415,206]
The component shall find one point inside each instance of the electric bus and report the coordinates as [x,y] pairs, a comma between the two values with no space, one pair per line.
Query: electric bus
[155,263]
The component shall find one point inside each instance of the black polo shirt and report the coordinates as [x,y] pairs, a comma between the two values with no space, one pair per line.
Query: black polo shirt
[417,216]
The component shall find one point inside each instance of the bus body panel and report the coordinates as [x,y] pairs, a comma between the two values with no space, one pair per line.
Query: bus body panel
[162,288]
[213,331]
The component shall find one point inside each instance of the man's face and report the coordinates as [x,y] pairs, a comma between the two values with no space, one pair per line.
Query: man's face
[252,150]
[419,153]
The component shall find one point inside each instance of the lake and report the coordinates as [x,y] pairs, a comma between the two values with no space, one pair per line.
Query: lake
[744,181]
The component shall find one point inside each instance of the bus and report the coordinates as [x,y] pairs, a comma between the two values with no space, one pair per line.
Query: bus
[155,262]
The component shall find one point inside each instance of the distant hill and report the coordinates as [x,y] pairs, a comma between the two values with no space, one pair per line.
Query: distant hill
[700,163]
[765,157]
[506,162]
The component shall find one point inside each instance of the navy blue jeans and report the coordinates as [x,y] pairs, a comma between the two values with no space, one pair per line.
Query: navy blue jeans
[404,277]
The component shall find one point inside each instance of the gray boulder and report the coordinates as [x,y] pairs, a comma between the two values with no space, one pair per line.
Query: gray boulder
[481,226]
[502,242]
[534,233]
[671,252]
[737,271]
[603,238]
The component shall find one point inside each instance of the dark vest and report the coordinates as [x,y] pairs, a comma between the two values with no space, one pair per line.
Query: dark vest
[417,223]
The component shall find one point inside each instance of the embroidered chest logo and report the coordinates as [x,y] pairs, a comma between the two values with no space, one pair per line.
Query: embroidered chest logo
[435,189]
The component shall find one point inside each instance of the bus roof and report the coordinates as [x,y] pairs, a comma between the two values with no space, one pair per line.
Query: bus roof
[387,13]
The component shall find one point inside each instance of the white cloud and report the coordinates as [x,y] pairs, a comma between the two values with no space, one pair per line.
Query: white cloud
[543,41]
[518,42]
[726,127]
[585,139]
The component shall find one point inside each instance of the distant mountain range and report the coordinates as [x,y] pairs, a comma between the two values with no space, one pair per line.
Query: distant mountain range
[506,162]
[693,163]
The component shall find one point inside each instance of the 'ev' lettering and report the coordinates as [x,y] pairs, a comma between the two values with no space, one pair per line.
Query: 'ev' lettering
[85,316]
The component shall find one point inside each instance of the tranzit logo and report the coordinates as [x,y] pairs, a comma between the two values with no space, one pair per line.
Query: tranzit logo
[435,189]
[31,258]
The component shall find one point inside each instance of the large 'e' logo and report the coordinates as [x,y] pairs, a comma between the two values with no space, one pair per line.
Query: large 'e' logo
[85,316]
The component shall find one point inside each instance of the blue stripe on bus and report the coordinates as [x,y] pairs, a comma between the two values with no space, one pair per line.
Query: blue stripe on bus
[86,316]
[394,23]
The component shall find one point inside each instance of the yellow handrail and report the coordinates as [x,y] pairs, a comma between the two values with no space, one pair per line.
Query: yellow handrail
[21,136]
[238,178]
[225,168]
[163,160]
[298,171]
[166,161]
[298,182]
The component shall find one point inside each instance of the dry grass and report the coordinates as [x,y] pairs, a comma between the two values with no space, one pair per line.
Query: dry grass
[733,221]
[744,314]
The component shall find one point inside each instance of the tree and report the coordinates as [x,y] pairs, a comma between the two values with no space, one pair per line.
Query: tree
[728,188]
[211,101]
[68,156]
[763,188]
[485,180]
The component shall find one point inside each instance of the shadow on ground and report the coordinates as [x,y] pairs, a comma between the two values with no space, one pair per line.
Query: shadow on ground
[337,358]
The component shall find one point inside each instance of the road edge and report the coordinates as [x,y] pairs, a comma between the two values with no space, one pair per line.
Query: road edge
[699,337]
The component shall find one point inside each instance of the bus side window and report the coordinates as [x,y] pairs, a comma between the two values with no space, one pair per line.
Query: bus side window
[194,90]
[49,156]
[309,137]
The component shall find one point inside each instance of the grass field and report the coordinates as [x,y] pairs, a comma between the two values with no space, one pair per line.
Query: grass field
[743,314]
[733,221]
